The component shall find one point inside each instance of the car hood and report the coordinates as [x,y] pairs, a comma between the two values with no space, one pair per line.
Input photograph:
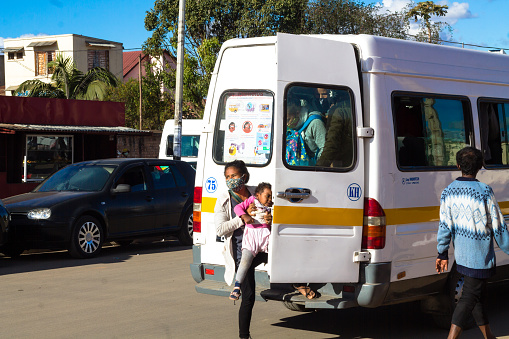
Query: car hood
[26,202]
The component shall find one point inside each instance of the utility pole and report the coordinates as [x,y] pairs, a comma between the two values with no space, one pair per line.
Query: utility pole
[177,136]
[139,81]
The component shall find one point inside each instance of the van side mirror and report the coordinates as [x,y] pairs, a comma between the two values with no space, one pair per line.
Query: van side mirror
[121,188]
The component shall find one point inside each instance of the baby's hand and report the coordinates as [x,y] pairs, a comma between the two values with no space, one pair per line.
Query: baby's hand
[247,219]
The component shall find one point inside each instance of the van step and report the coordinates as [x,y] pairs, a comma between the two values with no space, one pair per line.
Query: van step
[221,288]
[323,301]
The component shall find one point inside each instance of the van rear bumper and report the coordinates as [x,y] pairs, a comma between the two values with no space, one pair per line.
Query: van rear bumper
[370,292]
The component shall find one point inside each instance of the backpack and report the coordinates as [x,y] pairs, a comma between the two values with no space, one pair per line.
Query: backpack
[296,153]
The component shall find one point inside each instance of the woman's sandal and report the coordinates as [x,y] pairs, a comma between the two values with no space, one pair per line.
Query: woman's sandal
[235,295]
[306,291]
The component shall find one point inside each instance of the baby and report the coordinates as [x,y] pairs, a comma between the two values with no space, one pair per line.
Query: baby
[256,233]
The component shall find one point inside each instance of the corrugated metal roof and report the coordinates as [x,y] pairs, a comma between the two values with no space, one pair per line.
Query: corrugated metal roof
[13,49]
[41,43]
[72,129]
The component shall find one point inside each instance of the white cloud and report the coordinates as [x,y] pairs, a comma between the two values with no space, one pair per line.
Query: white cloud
[1,42]
[394,5]
[458,11]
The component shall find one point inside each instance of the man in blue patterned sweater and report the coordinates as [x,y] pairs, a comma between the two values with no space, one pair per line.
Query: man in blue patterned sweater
[471,218]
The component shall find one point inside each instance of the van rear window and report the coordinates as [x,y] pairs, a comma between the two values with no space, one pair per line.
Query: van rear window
[430,130]
[319,128]
[244,127]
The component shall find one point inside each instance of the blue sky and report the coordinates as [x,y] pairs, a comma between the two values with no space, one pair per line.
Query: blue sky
[479,22]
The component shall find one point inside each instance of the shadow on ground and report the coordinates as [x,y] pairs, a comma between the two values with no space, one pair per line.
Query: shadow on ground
[37,260]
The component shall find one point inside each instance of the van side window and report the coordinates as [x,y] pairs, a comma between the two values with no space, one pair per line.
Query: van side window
[319,127]
[430,129]
[493,115]
[243,128]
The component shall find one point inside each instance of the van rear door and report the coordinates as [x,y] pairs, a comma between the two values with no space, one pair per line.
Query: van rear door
[318,210]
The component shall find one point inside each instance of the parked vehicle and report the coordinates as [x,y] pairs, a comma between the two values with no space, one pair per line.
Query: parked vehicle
[4,223]
[84,204]
[358,219]
[191,130]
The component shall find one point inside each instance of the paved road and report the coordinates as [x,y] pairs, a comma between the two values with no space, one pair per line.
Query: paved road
[146,291]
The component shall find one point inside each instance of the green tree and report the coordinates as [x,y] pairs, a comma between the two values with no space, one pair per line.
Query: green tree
[430,31]
[210,23]
[158,105]
[67,82]
[354,17]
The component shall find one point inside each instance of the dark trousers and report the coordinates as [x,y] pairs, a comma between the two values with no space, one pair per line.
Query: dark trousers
[472,301]
[248,292]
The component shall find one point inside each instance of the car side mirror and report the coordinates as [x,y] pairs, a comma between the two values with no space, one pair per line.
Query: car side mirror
[121,188]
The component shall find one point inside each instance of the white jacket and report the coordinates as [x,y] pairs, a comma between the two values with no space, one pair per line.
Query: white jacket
[225,226]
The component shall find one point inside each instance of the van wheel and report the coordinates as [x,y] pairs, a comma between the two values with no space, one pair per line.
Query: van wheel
[454,292]
[185,234]
[296,307]
[86,238]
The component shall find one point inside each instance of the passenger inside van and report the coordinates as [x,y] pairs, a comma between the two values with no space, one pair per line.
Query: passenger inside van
[338,147]
[306,120]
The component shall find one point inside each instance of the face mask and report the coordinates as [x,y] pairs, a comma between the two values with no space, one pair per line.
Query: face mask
[235,184]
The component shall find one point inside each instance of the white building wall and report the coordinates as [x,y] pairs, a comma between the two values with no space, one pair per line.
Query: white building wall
[70,45]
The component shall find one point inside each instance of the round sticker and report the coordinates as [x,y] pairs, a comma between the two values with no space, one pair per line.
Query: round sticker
[211,185]
[354,192]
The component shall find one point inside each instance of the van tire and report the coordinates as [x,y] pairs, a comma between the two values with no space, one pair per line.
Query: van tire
[185,234]
[296,307]
[454,291]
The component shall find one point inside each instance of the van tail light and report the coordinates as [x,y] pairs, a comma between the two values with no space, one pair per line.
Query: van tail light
[373,230]
[197,209]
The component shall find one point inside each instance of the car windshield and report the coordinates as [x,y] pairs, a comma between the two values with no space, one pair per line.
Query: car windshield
[85,177]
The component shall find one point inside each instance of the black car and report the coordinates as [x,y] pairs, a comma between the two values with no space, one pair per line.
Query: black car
[84,204]
[4,223]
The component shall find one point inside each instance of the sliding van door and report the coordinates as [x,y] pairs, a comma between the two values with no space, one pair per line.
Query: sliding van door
[319,186]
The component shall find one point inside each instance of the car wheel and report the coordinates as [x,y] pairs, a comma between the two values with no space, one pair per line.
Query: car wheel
[185,234]
[86,238]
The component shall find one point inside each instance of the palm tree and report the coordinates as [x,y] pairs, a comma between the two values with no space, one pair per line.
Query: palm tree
[68,82]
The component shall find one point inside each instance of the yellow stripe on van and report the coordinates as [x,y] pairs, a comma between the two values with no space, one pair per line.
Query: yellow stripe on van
[347,216]
[504,207]
[317,216]
[208,204]
[412,215]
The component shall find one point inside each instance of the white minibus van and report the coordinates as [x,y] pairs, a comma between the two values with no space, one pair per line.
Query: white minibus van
[191,130]
[358,218]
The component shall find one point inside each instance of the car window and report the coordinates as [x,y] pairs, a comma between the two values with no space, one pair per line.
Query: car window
[135,178]
[181,182]
[162,177]
[84,177]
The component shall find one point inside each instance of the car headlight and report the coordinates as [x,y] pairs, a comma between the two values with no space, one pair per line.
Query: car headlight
[39,213]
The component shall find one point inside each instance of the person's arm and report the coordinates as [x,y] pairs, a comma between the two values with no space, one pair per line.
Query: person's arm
[444,235]
[318,133]
[242,210]
[223,223]
[498,225]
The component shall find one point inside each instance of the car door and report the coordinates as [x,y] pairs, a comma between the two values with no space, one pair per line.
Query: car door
[318,209]
[170,195]
[132,211]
